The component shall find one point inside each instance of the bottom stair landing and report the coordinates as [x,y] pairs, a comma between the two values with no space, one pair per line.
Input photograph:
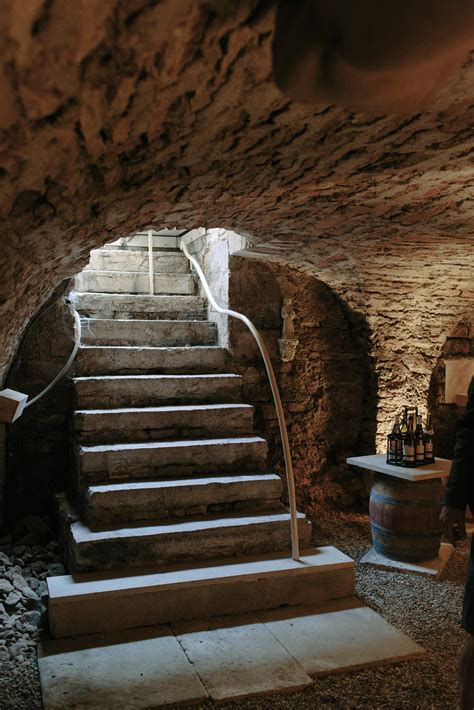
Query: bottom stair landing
[90,603]
[220,659]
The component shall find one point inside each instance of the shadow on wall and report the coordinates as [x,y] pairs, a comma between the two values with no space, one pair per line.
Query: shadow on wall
[329,389]
[459,346]
[38,444]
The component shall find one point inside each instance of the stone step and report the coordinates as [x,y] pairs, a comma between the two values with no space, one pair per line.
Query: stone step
[176,540]
[123,359]
[133,282]
[147,500]
[135,260]
[124,305]
[154,423]
[162,333]
[150,390]
[140,241]
[171,458]
[95,603]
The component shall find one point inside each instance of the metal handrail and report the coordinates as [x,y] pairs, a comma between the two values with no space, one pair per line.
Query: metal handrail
[77,342]
[276,398]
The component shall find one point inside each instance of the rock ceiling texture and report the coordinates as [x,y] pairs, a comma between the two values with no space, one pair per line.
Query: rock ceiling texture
[122,114]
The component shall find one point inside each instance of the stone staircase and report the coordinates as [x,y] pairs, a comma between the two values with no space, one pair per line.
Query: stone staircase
[175,513]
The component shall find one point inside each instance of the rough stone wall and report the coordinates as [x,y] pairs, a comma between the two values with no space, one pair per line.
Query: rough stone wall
[213,248]
[408,293]
[123,114]
[39,442]
[325,389]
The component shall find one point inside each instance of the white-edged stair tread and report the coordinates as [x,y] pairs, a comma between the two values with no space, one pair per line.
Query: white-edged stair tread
[171,483]
[181,444]
[181,378]
[83,534]
[220,571]
[168,408]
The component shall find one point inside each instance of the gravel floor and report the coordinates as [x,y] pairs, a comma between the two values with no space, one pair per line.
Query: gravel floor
[426,610]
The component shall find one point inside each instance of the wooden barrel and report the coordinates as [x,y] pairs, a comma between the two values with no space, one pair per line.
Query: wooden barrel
[404,517]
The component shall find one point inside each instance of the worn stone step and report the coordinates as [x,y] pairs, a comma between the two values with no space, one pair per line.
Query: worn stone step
[140,241]
[133,282]
[148,500]
[150,390]
[153,423]
[178,540]
[161,333]
[122,359]
[171,458]
[137,260]
[94,603]
[125,305]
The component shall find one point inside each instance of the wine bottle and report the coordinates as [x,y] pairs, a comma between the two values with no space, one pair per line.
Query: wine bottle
[429,441]
[419,438]
[404,424]
[395,444]
[409,443]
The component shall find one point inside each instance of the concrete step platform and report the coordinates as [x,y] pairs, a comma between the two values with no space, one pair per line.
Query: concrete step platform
[171,458]
[121,359]
[102,426]
[133,282]
[149,390]
[135,260]
[161,333]
[91,603]
[124,305]
[147,500]
[175,540]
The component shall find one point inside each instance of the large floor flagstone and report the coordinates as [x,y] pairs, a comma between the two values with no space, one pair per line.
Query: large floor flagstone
[244,660]
[341,639]
[133,669]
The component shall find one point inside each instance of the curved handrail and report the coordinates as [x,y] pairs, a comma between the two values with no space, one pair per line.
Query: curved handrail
[276,398]
[77,342]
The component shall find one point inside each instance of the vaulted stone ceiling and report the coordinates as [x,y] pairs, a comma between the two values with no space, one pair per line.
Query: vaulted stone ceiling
[118,115]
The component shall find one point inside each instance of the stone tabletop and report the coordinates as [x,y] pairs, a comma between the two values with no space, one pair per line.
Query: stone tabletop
[376,462]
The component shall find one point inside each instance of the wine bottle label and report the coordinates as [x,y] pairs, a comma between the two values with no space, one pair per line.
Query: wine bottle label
[429,449]
[420,452]
[408,453]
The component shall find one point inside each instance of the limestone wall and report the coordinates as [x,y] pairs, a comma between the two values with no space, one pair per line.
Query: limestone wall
[118,116]
[39,442]
[327,390]
[213,248]
[406,293]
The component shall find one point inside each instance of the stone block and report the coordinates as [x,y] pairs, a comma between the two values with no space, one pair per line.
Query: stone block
[149,390]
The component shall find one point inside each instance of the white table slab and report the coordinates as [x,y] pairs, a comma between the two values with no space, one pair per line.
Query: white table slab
[377,462]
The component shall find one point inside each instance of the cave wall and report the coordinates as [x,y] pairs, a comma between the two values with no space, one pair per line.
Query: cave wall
[328,391]
[409,292]
[124,114]
[212,248]
[39,447]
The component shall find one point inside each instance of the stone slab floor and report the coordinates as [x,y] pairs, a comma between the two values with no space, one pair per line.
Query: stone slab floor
[426,610]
